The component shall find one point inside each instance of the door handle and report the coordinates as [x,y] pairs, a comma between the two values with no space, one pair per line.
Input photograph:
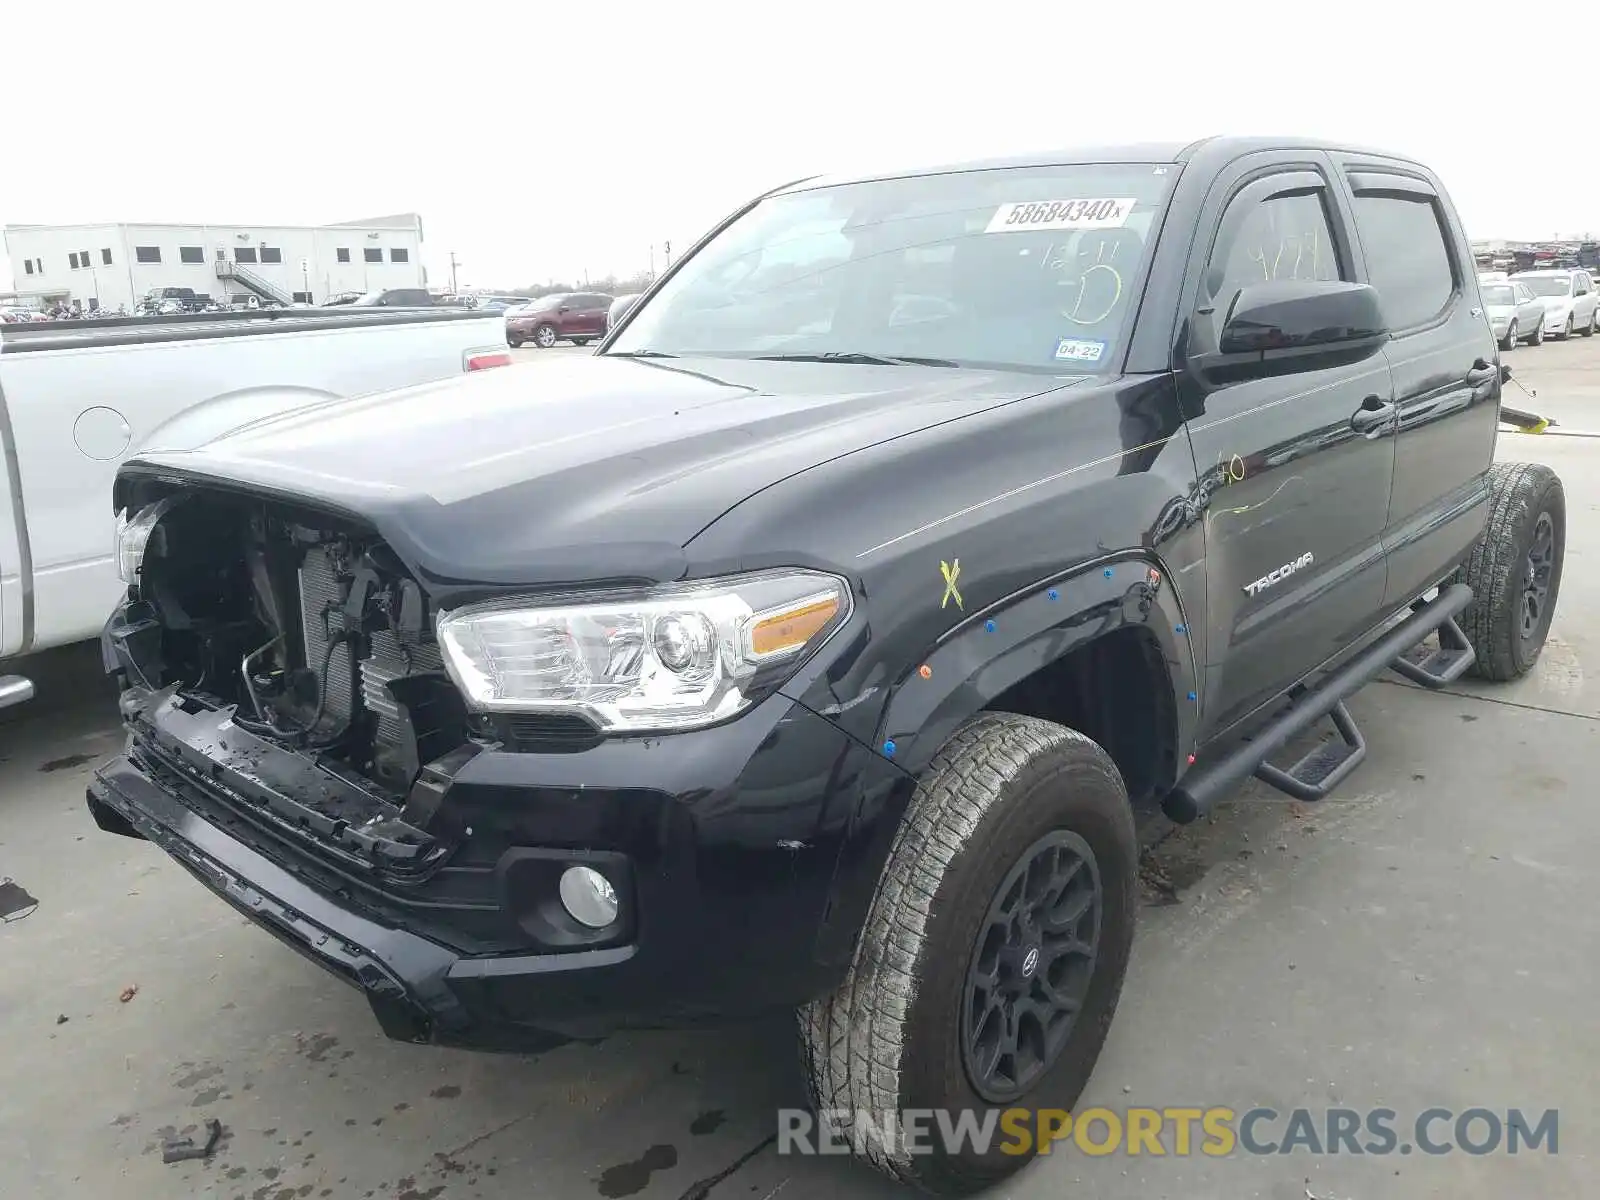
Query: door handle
[1374,413]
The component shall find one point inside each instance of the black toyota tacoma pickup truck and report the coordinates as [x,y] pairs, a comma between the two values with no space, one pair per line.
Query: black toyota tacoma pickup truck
[817,642]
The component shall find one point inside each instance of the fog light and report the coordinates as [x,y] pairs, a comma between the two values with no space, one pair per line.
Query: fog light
[589,897]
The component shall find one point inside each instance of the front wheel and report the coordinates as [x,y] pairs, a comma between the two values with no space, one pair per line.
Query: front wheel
[1588,330]
[992,957]
[1566,331]
[1515,570]
[1538,335]
[1510,339]
[513,341]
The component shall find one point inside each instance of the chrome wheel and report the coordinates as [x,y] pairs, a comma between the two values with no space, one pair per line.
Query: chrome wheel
[545,336]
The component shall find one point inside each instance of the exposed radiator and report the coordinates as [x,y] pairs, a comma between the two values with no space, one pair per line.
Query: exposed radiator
[320,594]
[390,658]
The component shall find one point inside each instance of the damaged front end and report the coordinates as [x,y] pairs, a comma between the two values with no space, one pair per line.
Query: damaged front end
[288,710]
[293,627]
[491,874]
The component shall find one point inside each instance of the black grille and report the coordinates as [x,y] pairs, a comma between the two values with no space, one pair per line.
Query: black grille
[549,733]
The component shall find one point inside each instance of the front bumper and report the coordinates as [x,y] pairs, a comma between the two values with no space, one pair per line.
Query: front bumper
[728,839]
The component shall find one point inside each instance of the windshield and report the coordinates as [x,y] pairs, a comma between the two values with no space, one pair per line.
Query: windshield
[1547,285]
[1498,293]
[1033,268]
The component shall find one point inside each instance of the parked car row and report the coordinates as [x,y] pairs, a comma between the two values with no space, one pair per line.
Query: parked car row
[1531,305]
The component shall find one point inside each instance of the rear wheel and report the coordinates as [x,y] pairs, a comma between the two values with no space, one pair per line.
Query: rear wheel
[544,336]
[580,341]
[993,954]
[1515,570]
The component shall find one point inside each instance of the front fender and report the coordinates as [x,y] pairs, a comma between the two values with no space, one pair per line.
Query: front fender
[976,661]
[999,646]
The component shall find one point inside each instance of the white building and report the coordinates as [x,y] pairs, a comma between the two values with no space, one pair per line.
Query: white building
[104,266]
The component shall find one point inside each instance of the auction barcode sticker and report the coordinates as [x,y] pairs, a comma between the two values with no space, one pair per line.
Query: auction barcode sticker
[1061,214]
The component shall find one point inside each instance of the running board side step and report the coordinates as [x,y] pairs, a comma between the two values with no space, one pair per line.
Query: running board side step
[1314,776]
[1446,664]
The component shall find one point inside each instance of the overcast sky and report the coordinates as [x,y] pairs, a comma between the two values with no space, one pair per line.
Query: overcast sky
[539,140]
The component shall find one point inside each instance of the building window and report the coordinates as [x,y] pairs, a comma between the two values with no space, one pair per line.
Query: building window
[244,254]
[73,260]
[147,254]
[372,254]
[105,258]
[83,257]
[27,265]
[271,254]
[192,254]
[399,256]
[342,253]
[302,297]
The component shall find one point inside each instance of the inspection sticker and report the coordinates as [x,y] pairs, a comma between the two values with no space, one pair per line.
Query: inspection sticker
[1080,349]
[1060,214]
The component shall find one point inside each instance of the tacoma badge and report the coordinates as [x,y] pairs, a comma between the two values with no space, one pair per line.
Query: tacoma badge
[1272,578]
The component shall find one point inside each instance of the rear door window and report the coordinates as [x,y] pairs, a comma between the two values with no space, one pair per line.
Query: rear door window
[1408,258]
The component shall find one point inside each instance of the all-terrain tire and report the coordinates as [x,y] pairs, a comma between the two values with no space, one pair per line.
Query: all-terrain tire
[1526,499]
[891,1037]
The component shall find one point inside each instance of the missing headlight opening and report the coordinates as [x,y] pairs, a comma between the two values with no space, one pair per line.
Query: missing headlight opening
[315,635]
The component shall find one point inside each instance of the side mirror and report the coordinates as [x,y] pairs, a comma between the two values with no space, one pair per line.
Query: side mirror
[619,309]
[564,308]
[1287,326]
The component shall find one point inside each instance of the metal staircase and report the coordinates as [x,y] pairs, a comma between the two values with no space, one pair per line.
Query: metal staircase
[232,272]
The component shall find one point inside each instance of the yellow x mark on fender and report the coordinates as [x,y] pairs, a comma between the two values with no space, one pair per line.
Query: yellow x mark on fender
[951,572]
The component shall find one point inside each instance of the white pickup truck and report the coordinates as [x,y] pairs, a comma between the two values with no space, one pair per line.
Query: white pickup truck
[76,397]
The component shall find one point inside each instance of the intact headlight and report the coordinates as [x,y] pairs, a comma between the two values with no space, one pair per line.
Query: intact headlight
[673,657]
[133,536]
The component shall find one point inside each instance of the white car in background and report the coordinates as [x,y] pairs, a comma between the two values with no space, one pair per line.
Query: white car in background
[1570,301]
[1515,314]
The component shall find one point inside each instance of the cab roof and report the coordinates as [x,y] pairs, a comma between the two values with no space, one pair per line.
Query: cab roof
[1210,151]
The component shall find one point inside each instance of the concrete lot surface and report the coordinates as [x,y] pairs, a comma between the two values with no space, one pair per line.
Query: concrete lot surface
[1426,938]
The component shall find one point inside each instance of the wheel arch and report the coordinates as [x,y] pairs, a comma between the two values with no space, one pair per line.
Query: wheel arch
[981,662]
[1114,629]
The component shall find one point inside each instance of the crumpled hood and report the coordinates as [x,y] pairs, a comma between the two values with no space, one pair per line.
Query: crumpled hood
[584,468]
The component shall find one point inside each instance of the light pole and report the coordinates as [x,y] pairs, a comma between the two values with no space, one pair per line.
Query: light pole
[453,265]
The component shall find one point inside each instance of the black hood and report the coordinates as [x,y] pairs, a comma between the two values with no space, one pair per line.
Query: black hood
[584,468]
